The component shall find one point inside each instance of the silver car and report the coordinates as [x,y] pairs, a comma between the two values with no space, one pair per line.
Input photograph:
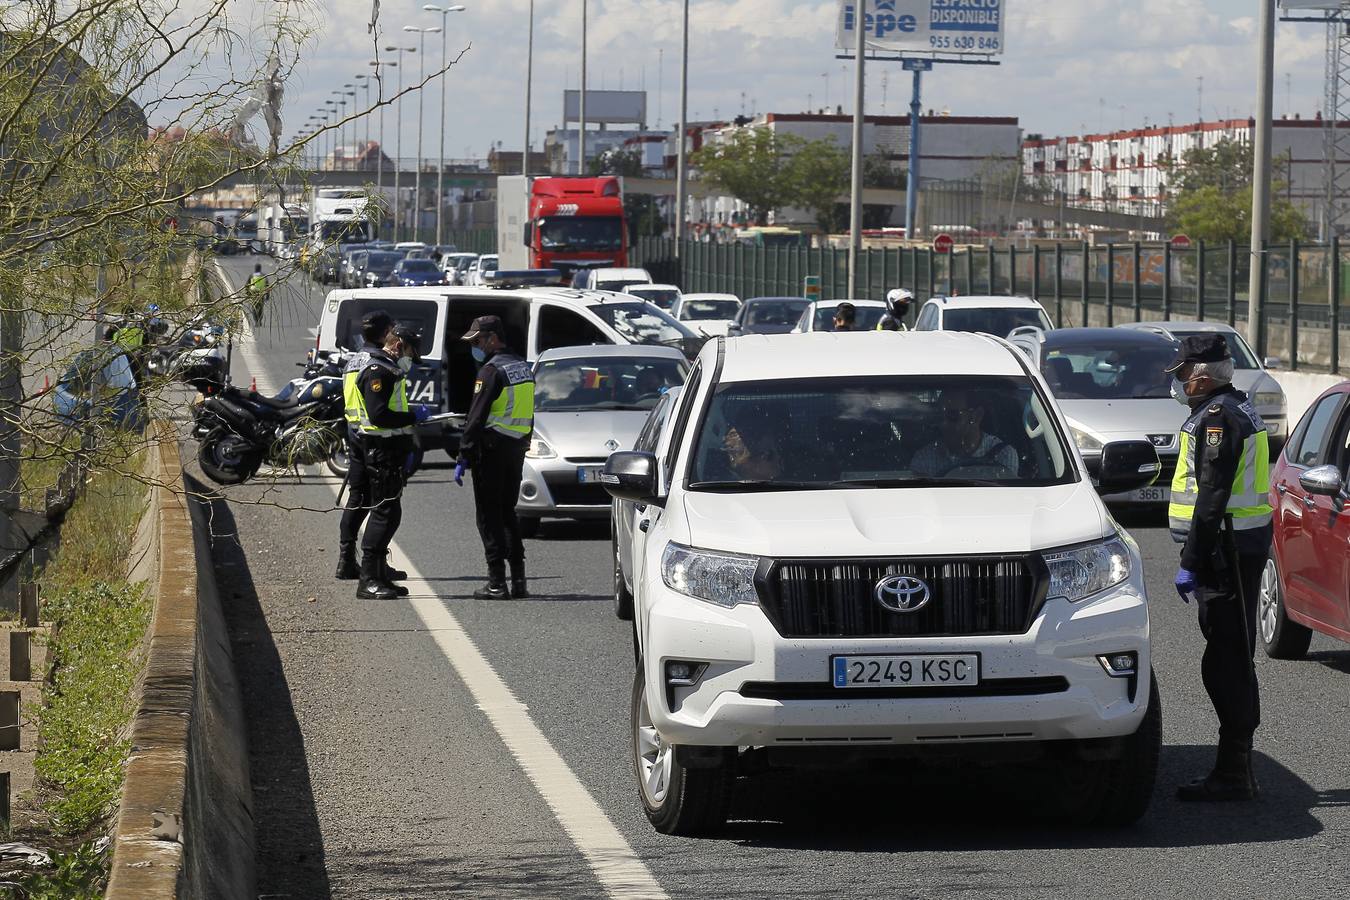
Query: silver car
[588,402]
[1111,386]
[1249,372]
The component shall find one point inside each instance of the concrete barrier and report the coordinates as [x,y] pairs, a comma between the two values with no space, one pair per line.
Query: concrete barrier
[185,824]
[1301,389]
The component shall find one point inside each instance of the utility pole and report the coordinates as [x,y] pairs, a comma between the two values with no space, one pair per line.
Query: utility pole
[581,111]
[855,192]
[440,169]
[421,78]
[1261,172]
[529,86]
[398,140]
[912,178]
[682,134]
[379,157]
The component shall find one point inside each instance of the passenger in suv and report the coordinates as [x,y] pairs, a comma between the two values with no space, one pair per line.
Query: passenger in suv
[802,577]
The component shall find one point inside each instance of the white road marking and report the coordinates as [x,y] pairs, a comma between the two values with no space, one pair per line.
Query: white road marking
[609,855]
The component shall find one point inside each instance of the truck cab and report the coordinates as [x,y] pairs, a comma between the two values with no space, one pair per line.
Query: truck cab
[564,224]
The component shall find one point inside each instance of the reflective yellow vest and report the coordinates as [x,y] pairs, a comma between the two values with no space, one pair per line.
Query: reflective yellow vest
[129,337]
[351,393]
[512,411]
[1249,502]
[398,402]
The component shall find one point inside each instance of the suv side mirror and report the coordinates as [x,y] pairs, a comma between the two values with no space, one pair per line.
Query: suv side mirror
[1324,480]
[527,234]
[631,475]
[1126,466]
[733,329]
[1272,362]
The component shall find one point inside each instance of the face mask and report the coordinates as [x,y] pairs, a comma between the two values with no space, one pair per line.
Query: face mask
[479,354]
[405,364]
[1179,390]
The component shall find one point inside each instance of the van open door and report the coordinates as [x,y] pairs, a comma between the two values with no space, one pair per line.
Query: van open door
[461,369]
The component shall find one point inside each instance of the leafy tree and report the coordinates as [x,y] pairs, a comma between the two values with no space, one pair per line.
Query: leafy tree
[643,215]
[751,166]
[1211,190]
[817,173]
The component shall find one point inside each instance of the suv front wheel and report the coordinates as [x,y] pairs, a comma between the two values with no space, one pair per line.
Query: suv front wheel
[677,800]
[1116,792]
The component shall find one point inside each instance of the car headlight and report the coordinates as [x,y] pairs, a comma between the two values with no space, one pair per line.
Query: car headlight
[1083,571]
[539,449]
[724,579]
[1086,442]
[1268,399]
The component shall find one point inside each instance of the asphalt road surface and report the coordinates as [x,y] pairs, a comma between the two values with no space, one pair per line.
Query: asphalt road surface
[393,759]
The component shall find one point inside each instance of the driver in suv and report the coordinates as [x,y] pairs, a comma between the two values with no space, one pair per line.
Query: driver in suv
[811,574]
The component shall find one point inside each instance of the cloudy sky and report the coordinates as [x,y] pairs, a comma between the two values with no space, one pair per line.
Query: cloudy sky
[1070,65]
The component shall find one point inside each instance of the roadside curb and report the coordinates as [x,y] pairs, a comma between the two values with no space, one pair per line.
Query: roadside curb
[185,823]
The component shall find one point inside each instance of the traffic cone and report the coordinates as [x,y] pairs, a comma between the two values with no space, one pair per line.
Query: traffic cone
[253,385]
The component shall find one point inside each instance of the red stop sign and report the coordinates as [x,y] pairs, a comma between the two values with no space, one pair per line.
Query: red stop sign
[942,243]
[1181,242]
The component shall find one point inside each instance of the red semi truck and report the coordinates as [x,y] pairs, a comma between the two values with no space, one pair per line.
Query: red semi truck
[561,223]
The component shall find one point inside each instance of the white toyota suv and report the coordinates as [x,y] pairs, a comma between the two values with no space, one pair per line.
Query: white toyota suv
[880,544]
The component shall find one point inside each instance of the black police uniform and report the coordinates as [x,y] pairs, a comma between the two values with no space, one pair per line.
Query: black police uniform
[497,461]
[384,460]
[1228,579]
[358,482]
[890,323]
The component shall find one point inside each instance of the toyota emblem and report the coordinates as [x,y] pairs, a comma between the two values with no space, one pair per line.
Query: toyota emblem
[611,445]
[902,593]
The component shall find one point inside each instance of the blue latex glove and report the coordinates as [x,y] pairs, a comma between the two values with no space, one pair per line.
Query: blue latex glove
[1185,583]
[421,412]
[460,466]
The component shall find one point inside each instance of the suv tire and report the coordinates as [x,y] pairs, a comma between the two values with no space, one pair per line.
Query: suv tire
[1281,637]
[677,800]
[1115,792]
[623,597]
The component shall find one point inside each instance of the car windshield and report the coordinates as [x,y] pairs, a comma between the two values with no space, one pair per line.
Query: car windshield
[1243,357]
[774,312]
[465,262]
[642,323]
[419,265]
[617,284]
[697,310]
[343,232]
[865,318]
[487,264]
[561,233]
[610,383]
[878,431]
[662,297]
[1106,372]
[383,261]
[997,321]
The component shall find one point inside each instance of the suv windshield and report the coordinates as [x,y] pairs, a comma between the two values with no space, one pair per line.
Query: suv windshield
[383,261]
[697,310]
[662,297]
[1128,372]
[997,321]
[642,323]
[612,382]
[878,431]
[774,312]
[418,265]
[563,233]
[865,318]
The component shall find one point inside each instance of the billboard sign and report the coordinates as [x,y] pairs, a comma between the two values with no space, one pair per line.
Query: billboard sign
[609,107]
[925,26]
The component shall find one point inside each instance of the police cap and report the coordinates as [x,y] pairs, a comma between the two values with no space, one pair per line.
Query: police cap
[1197,348]
[485,325]
[411,340]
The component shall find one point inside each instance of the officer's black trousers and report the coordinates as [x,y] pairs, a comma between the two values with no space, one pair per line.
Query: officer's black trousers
[358,487]
[496,486]
[384,494]
[1230,644]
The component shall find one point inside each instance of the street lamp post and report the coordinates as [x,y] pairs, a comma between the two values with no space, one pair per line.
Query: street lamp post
[365,113]
[440,169]
[581,110]
[341,112]
[332,111]
[379,156]
[398,151]
[680,137]
[421,78]
[529,81]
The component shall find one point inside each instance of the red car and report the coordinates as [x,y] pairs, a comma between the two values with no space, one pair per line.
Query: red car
[1306,585]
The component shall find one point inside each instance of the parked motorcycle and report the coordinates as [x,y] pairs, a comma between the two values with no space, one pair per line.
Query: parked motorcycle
[303,424]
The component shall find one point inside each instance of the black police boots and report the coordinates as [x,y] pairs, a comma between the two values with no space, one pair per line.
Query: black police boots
[1232,779]
[392,574]
[373,586]
[347,569]
[519,589]
[495,589]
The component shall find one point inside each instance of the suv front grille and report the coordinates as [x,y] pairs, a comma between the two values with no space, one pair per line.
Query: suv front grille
[837,598]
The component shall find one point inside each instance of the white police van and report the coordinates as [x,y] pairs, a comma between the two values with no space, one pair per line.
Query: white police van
[537,317]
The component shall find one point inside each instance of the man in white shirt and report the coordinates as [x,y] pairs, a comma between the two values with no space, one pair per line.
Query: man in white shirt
[964,450]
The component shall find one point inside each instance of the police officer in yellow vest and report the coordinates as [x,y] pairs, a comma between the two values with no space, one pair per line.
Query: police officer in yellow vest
[1220,513]
[386,422]
[375,327]
[496,436]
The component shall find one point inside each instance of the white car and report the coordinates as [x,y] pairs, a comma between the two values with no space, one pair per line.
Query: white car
[989,315]
[454,263]
[1249,372]
[481,266]
[609,279]
[819,315]
[709,314]
[663,296]
[825,563]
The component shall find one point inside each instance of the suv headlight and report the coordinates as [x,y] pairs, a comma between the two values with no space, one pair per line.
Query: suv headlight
[725,579]
[1268,399]
[539,449]
[1083,571]
[1086,442]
